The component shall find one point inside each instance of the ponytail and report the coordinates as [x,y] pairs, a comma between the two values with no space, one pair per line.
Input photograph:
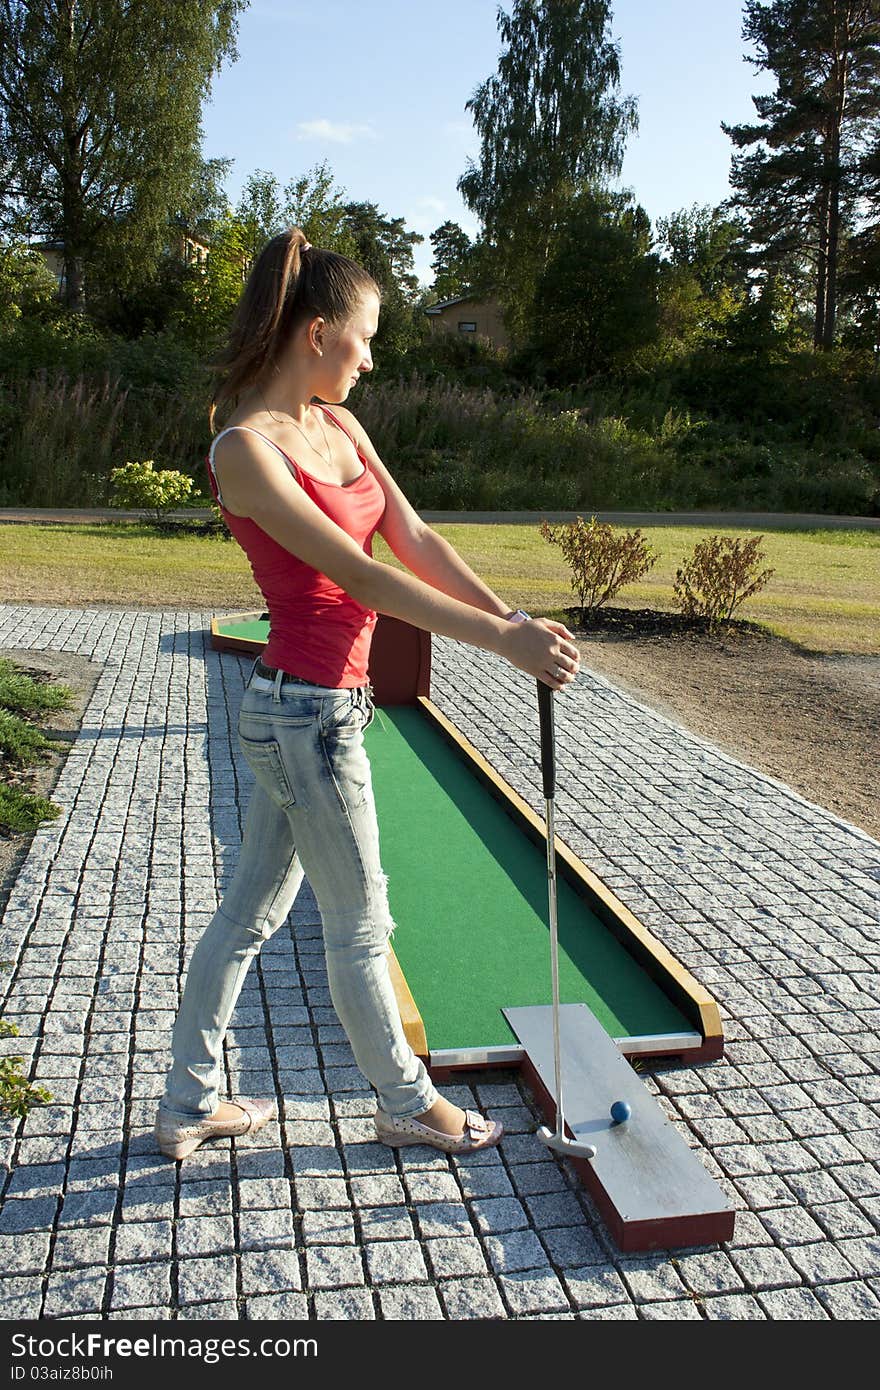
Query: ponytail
[289,281]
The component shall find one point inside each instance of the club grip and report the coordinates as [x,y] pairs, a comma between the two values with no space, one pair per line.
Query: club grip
[548,739]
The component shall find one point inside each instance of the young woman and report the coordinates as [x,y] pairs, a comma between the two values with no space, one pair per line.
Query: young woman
[303,491]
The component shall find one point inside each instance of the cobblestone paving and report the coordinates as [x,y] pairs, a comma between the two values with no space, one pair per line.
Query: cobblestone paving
[771,902]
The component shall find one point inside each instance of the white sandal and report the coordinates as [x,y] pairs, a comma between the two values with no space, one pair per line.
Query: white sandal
[479,1133]
[177,1139]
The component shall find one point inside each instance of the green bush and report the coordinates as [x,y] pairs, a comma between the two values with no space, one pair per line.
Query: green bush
[21,694]
[17,1095]
[22,811]
[461,425]
[140,485]
[21,743]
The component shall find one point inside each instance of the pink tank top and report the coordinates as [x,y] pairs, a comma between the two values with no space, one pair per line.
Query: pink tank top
[316,630]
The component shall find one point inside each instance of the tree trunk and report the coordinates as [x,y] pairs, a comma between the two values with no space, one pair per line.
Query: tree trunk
[74,295]
[74,291]
[840,74]
[830,315]
[821,268]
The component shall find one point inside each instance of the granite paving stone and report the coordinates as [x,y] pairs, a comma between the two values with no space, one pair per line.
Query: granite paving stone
[410,1304]
[471,1299]
[770,900]
[533,1291]
[288,1307]
[849,1302]
[21,1297]
[595,1285]
[330,1266]
[794,1305]
[141,1285]
[395,1262]
[734,1308]
[204,1235]
[443,1219]
[385,1223]
[270,1271]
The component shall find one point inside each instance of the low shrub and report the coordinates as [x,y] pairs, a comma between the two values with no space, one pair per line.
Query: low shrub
[21,694]
[157,492]
[17,1095]
[21,743]
[601,560]
[719,575]
[22,811]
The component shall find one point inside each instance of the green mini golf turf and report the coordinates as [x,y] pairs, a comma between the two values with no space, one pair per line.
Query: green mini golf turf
[256,631]
[468,893]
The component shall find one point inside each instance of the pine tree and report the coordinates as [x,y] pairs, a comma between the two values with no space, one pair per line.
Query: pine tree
[804,186]
[452,247]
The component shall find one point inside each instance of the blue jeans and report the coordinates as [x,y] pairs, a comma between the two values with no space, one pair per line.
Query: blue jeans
[311,812]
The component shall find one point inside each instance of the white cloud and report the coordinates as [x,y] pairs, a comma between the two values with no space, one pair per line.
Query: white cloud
[339,132]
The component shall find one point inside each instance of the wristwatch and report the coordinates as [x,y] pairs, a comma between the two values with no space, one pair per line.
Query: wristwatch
[519,616]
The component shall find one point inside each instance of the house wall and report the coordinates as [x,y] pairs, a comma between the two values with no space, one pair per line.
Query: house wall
[485,313]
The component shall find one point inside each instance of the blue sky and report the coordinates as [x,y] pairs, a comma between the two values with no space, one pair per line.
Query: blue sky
[378,90]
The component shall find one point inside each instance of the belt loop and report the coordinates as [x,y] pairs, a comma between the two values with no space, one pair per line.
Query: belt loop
[276,689]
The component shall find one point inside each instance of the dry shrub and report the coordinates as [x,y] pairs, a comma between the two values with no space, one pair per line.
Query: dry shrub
[720,574]
[601,560]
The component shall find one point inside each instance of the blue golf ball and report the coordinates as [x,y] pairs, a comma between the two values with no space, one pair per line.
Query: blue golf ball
[621,1111]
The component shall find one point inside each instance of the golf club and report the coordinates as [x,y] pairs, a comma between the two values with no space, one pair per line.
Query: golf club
[557,1141]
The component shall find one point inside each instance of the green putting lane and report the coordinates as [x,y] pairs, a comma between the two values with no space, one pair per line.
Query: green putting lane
[468,892]
[256,631]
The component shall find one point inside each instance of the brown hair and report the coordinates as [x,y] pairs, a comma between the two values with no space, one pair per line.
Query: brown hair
[287,283]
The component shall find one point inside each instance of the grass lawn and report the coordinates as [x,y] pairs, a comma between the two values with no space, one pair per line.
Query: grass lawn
[824,594]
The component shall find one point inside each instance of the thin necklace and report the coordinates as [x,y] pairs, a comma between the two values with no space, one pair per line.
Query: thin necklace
[329,459]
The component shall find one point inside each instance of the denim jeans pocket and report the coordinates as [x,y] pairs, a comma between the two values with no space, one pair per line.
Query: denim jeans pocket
[263,756]
[347,716]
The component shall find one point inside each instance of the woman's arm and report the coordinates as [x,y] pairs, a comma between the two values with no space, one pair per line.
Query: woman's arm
[256,483]
[426,553]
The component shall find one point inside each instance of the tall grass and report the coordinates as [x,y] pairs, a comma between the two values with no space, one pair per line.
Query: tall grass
[61,436]
[450,446]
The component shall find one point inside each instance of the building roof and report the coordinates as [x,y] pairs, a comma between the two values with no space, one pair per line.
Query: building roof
[448,303]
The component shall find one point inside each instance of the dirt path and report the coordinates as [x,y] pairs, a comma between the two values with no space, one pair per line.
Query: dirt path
[810,720]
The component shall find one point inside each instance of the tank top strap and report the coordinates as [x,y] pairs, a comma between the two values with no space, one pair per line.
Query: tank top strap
[339,425]
[250,430]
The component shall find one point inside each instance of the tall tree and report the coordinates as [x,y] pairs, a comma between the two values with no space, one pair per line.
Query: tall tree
[550,126]
[803,186]
[259,211]
[384,246]
[452,248]
[700,280]
[596,300]
[314,203]
[100,107]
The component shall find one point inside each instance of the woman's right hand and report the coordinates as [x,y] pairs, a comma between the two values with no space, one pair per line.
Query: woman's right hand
[544,649]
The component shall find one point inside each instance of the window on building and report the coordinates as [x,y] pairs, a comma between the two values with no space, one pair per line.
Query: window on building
[465,326]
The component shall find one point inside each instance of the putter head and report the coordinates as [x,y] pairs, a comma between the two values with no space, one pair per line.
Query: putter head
[561,1145]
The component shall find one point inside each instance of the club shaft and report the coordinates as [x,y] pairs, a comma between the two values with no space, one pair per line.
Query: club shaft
[554,958]
[548,778]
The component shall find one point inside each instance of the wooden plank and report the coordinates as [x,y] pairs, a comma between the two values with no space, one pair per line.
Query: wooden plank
[224,641]
[413,1027]
[650,1187]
